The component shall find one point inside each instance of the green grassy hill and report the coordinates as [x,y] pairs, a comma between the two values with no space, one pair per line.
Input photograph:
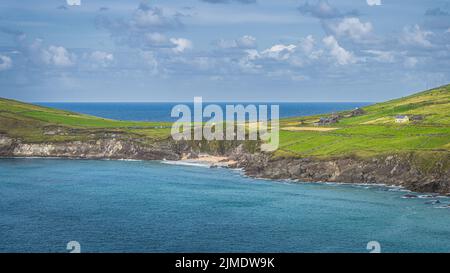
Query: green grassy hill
[375,131]
[33,123]
[372,133]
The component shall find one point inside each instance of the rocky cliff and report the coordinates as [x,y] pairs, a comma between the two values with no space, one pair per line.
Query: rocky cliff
[397,170]
[112,148]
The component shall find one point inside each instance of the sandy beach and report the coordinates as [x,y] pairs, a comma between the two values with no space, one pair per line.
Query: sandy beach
[211,160]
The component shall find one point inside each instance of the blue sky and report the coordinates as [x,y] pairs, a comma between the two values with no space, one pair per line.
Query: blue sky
[232,50]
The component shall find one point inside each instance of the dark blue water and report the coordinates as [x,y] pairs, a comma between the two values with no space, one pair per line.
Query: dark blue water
[161,111]
[120,206]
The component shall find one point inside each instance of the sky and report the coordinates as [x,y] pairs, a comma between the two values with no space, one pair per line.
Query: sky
[222,50]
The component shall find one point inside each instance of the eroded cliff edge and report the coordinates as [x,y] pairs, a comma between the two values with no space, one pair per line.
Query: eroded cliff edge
[117,147]
[406,170]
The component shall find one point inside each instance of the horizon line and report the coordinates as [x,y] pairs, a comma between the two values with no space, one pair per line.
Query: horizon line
[205,101]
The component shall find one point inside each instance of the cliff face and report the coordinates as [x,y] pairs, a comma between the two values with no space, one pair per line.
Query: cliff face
[395,170]
[103,148]
[391,170]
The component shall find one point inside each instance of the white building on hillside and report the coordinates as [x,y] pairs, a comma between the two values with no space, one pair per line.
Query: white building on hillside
[401,119]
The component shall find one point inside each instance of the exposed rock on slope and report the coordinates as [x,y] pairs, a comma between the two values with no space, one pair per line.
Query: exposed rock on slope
[97,149]
[400,170]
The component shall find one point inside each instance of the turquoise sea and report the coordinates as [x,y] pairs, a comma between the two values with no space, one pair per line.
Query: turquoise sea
[141,206]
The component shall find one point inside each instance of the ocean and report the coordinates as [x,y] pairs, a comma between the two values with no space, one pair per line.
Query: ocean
[161,111]
[143,206]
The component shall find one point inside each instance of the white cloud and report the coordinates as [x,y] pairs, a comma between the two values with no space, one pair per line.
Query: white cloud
[416,36]
[247,41]
[150,61]
[57,56]
[353,28]
[224,44]
[73,2]
[306,52]
[51,55]
[382,56]
[147,28]
[101,57]
[156,38]
[410,62]
[321,9]
[342,56]
[307,44]
[244,42]
[246,63]
[373,2]
[181,44]
[282,57]
[147,17]
[252,54]
[202,63]
[279,51]
[5,63]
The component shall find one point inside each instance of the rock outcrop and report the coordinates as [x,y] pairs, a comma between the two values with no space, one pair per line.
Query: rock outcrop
[112,148]
[395,170]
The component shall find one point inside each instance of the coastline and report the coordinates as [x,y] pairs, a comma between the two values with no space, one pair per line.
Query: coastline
[231,162]
[214,161]
[217,161]
[391,170]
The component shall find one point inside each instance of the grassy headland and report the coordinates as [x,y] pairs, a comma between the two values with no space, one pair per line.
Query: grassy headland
[32,123]
[369,134]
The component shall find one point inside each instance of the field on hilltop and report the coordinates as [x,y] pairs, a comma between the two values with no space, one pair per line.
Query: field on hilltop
[373,132]
[33,123]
